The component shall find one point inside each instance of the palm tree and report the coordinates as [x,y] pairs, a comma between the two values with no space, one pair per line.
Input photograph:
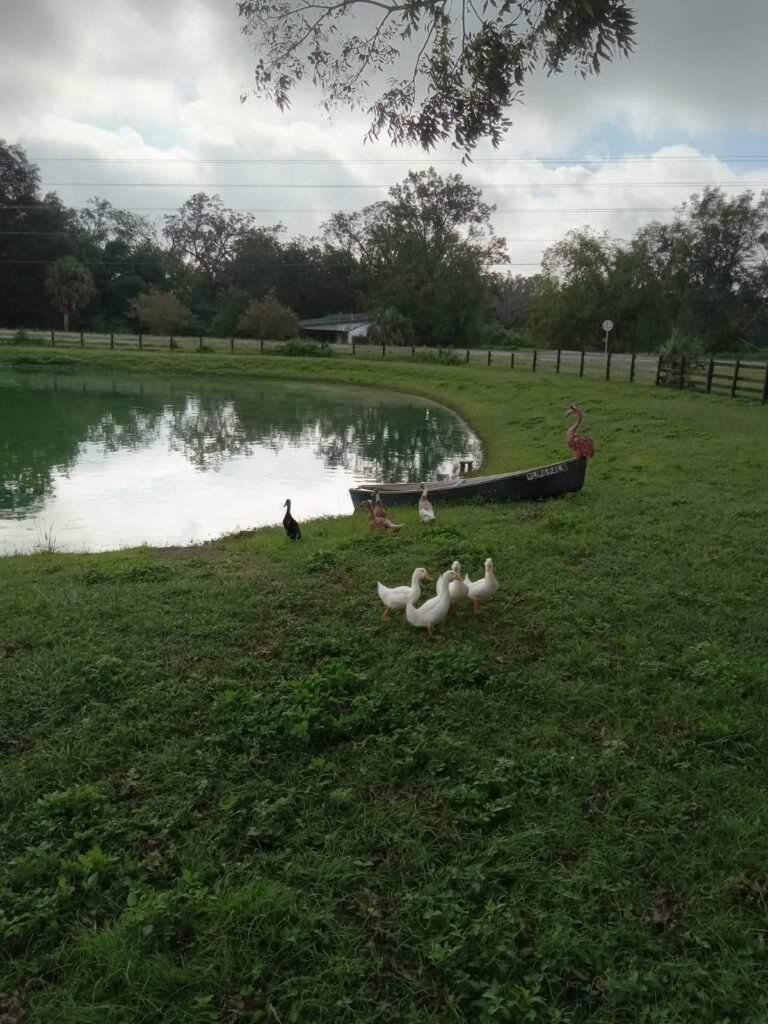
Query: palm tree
[389,327]
[69,287]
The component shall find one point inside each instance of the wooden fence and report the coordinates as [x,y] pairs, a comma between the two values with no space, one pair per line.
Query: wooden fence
[733,377]
[736,378]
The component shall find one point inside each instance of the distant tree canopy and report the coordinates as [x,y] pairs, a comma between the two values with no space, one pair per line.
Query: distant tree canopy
[160,312]
[425,262]
[204,234]
[704,274]
[35,231]
[426,252]
[268,318]
[444,70]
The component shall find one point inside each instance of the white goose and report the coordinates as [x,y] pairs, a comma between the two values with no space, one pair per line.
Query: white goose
[434,611]
[483,589]
[395,599]
[458,589]
[426,512]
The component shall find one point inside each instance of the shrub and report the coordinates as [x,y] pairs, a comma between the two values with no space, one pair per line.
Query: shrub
[680,346]
[22,337]
[496,335]
[268,318]
[303,348]
[444,356]
[160,312]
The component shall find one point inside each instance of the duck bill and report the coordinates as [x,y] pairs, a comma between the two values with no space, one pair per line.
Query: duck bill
[428,577]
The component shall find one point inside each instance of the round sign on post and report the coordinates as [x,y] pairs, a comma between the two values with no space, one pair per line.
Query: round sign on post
[607,327]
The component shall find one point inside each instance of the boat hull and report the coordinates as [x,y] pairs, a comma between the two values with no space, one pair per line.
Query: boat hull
[564,477]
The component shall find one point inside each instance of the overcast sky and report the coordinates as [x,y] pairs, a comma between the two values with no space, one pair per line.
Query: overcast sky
[149,91]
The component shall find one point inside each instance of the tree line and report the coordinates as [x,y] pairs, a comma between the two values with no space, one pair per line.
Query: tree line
[424,262]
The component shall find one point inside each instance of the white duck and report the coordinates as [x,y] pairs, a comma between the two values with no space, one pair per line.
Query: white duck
[434,611]
[484,589]
[395,599]
[379,508]
[458,589]
[426,512]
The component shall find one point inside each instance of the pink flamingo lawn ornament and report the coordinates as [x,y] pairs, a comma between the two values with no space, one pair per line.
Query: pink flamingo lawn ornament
[583,446]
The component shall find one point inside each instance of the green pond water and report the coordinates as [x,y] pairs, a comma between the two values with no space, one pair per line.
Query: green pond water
[93,463]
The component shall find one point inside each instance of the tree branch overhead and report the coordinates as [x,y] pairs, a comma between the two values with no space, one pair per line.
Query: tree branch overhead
[428,71]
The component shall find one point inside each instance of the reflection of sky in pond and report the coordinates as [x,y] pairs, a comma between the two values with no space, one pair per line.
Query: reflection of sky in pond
[94,465]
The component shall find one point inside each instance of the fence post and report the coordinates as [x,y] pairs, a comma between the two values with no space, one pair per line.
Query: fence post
[765,385]
[557,364]
[82,339]
[632,368]
[467,355]
[111,339]
[141,342]
[170,342]
[581,364]
[489,357]
[658,372]
[681,382]
[53,339]
[261,340]
[383,350]
[353,346]
[735,378]
[710,372]
[200,345]
[608,365]
[533,361]
[231,344]
[511,360]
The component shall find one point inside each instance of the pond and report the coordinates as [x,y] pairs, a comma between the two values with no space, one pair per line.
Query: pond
[91,463]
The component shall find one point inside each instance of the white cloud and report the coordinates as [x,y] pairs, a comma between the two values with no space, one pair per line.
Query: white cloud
[144,83]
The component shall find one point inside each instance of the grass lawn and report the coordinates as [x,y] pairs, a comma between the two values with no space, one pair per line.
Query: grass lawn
[230,793]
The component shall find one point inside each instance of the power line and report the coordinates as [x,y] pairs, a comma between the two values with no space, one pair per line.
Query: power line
[66,234]
[752,158]
[251,266]
[482,185]
[293,209]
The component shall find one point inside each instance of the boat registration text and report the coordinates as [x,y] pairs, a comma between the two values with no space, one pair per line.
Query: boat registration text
[547,471]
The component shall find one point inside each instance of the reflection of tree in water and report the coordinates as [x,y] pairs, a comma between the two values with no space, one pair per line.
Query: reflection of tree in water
[393,440]
[44,424]
[127,428]
[43,429]
[372,436]
[40,434]
[207,431]
[389,443]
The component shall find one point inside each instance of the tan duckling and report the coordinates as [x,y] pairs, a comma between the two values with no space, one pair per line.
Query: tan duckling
[378,524]
[379,508]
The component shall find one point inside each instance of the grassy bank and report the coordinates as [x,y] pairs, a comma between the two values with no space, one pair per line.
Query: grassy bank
[231,793]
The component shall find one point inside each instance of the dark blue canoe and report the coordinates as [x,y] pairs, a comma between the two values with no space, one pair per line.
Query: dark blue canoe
[524,485]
